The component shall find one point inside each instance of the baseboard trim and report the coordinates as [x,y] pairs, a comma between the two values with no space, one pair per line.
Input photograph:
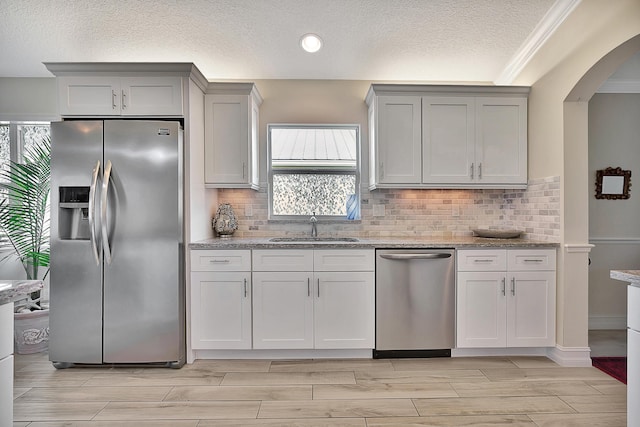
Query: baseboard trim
[507,351]
[570,356]
[283,354]
[607,322]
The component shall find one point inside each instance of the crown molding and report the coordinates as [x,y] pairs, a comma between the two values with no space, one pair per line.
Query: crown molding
[549,23]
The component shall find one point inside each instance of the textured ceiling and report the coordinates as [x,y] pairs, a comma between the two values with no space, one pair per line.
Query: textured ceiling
[380,40]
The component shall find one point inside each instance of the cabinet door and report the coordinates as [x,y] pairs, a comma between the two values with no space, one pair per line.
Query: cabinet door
[399,145]
[481,309]
[221,310]
[226,150]
[151,96]
[6,390]
[531,310]
[89,96]
[501,140]
[344,310]
[448,140]
[282,310]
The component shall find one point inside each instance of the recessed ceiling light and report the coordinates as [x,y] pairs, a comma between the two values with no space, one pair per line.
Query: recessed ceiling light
[311,42]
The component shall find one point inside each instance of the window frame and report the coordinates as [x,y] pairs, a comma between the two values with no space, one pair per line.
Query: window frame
[310,170]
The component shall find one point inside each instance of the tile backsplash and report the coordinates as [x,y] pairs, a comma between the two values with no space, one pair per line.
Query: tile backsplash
[417,213]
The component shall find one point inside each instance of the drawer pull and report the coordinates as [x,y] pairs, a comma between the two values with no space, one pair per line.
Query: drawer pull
[482,260]
[219,261]
[533,260]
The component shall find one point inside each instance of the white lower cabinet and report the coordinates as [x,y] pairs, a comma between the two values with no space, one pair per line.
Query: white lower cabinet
[506,298]
[221,299]
[6,364]
[283,310]
[282,299]
[313,307]
[344,310]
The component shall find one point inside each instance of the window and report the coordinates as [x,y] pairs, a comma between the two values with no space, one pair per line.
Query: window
[16,136]
[314,170]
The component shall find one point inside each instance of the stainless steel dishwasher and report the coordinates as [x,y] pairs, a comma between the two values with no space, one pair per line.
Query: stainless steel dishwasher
[415,303]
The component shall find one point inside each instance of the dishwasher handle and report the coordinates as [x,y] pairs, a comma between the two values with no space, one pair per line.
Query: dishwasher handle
[416,256]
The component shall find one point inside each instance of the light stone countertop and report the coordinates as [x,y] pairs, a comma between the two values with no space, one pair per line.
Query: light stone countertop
[364,243]
[12,290]
[630,276]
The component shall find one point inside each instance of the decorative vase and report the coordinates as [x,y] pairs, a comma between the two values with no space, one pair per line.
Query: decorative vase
[225,222]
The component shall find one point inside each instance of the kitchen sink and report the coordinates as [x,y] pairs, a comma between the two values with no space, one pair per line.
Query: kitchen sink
[313,239]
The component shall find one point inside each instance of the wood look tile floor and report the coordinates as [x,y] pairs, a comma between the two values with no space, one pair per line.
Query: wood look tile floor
[491,391]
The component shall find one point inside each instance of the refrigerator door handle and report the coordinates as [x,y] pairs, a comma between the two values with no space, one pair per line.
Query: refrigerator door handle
[103,211]
[92,212]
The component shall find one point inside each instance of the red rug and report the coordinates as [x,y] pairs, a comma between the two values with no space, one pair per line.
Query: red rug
[615,367]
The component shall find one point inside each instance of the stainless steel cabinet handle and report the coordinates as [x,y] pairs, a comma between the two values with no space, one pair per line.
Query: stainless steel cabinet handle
[103,209]
[482,260]
[533,260]
[124,99]
[245,287]
[479,170]
[318,288]
[471,170]
[381,170]
[219,261]
[308,287]
[92,212]
[513,286]
[113,100]
[415,256]
[504,286]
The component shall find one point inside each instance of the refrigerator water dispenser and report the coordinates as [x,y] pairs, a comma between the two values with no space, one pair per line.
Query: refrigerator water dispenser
[73,213]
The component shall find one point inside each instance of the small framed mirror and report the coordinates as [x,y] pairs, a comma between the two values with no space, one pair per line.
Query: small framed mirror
[613,183]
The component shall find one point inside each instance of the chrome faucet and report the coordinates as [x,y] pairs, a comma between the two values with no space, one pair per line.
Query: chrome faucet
[314,228]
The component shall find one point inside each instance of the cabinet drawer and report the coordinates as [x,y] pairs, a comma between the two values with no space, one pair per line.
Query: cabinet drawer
[482,260]
[229,260]
[283,260]
[531,259]
[344,260]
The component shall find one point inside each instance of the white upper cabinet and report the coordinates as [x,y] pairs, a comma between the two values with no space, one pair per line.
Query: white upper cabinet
[448,139]
[501,140]
[399,125]
[121,89]
[231,135]
[114,96]
[447,136]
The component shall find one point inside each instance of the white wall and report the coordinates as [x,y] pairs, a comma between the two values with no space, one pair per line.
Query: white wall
[28,99]
[614,227]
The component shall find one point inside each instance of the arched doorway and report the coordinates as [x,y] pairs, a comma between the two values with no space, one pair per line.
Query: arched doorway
[573,295]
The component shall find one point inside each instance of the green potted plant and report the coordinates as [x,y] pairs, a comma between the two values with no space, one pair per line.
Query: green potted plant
[24,234]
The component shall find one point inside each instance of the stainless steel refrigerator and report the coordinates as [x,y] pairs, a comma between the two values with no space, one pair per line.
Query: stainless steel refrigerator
[117,247]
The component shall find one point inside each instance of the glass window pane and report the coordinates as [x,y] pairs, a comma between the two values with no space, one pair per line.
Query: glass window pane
[304,194]
[5,146]
[30,134]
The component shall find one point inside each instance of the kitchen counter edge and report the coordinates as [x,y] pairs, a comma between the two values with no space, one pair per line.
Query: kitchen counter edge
[18,289]
[395,243]
[632,277]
